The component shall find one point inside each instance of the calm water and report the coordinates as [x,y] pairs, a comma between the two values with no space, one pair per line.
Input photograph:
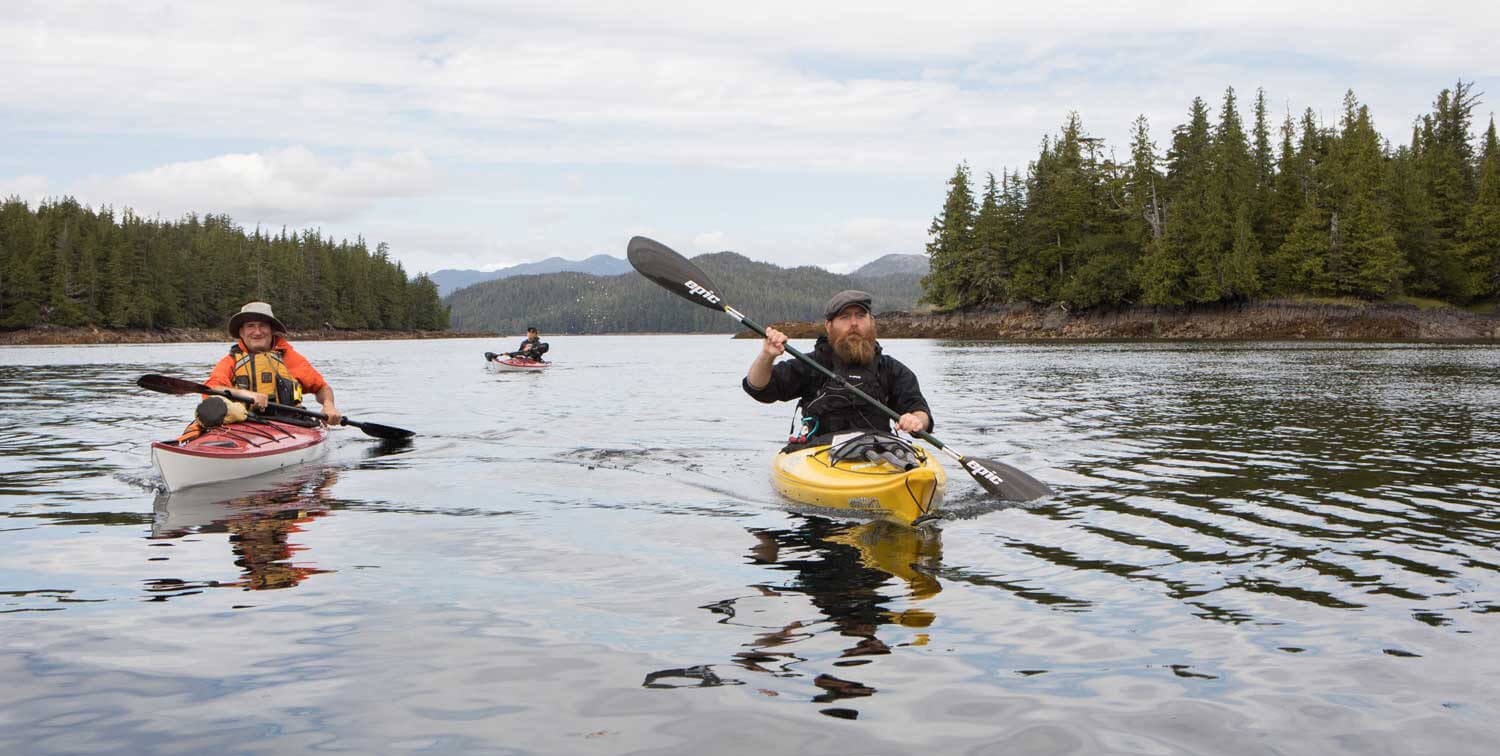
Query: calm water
[1257,549]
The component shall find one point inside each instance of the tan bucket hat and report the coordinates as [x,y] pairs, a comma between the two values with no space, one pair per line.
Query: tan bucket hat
[254,311]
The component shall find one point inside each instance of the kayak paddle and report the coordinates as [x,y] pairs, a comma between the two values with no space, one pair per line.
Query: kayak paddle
[677,274]
[169,385]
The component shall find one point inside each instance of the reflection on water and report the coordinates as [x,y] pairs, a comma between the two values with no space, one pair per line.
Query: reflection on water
[1285,548]
[851,574]
[260,525]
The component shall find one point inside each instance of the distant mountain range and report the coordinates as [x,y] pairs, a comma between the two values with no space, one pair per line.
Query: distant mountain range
[891,264]
[449,280]
[574,302]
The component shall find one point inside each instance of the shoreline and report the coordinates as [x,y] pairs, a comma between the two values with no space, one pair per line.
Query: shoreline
[1253,321]
[61,336]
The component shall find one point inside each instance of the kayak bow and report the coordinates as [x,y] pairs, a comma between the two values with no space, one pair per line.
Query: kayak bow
[868,472]
[238,450]
[499,363]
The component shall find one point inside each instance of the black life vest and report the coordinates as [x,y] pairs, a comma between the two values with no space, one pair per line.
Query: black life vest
[833,408]
[266,373]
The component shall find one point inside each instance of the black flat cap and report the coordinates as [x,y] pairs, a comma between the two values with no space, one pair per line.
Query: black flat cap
[844,299]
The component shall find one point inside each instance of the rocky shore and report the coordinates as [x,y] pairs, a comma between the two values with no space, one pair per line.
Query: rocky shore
[44,336]
[1259,321]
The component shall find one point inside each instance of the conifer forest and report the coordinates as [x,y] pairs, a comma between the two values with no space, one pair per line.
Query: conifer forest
[62,264]
[1229,213]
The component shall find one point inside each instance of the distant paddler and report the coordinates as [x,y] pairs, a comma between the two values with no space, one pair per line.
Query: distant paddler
[526,357]
[532,347]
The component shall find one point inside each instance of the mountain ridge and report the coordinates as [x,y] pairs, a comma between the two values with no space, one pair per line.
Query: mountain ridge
[576,302]
[449,280]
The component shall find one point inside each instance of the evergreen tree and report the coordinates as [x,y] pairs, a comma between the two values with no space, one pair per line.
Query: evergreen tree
[1197,226]
[1445,171]
[1301,261]
[1364,258]
[989,269]
[1481,236]
[952,239]
[1263,159]
[1286,198]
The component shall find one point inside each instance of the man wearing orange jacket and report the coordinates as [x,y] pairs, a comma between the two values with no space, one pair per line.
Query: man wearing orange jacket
[262,367]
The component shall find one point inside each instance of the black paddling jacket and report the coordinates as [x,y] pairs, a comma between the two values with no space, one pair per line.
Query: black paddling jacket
[832,405]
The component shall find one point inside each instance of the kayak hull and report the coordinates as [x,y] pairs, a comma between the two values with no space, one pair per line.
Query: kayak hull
[516,364]
[807,476]
[238,450]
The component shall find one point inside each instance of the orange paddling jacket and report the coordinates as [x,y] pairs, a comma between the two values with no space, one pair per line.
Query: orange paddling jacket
[282,374]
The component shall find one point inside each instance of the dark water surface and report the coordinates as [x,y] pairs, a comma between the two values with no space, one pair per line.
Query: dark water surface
[1257,549]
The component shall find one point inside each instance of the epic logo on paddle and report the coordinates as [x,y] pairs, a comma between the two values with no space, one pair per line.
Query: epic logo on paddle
[696,290]
[983,472]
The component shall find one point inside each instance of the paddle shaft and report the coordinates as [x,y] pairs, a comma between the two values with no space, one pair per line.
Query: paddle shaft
[170,385]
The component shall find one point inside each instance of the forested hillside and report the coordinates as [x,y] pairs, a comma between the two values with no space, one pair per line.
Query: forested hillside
[63,264]
[449,281]
[583,303]
[1228,213]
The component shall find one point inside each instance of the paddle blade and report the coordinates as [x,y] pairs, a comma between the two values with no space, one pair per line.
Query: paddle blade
[673,272]
[169,385]
[381,431]
[1004,481]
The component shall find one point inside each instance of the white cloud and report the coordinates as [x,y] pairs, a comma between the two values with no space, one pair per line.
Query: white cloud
[31,189]
[710,241]
[292,186]
[837,90]
[834,86]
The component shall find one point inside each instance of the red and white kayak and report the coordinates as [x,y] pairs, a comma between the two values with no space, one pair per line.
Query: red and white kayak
[501,364]
[237,450]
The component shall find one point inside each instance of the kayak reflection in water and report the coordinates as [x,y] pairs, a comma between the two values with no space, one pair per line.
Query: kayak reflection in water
[260,527]
[842,568]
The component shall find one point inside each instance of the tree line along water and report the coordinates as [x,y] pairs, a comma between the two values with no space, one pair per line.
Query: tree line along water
[1226,215]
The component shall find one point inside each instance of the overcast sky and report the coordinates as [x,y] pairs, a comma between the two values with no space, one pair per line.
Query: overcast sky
[475,134]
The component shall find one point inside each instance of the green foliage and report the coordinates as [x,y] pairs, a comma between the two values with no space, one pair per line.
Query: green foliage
[953,244]
[66,265]
[1335,212]
[1481,233]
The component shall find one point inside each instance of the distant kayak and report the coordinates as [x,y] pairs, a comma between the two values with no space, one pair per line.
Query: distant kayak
[868,472]
[500,363]
[237,450]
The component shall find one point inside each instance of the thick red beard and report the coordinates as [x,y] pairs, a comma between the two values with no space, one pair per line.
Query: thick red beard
[855,349]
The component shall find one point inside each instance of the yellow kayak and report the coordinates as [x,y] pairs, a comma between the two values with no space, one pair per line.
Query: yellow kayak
[868,472]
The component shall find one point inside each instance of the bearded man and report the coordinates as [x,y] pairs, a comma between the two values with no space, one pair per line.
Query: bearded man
[849,350]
